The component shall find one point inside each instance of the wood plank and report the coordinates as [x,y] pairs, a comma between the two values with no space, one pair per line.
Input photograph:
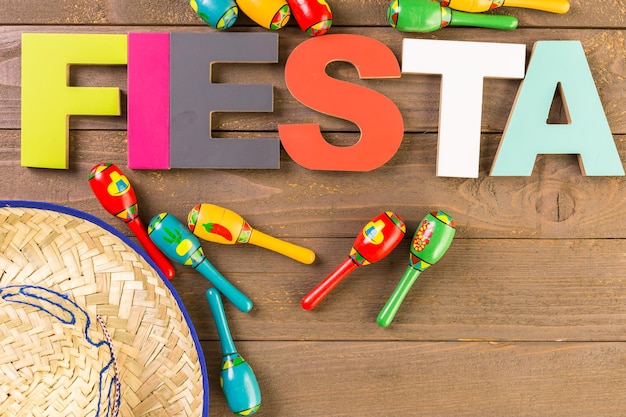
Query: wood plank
[345,13]
[417,96]
[557,201]
[493,289]
[431,378]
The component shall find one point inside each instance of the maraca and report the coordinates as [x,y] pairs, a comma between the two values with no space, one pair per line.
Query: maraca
[113,190]
[220,225]
[313,16]
[175,240]
[430,242]
[237,379]
[553,6]
[270,14]
[377,239]
[429,15]
[220,14]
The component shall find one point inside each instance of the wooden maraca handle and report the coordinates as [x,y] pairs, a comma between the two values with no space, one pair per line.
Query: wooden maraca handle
[321,290]
[295,252]
[238,298]
[552,6]
[219,317]
[489,21]
[391,307]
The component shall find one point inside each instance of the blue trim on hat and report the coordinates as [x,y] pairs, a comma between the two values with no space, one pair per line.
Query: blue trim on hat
[93,219]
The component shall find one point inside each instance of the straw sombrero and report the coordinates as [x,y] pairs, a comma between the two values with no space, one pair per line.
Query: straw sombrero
[88,327]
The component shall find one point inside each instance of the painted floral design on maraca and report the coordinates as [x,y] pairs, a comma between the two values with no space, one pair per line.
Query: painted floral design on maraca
[423,235]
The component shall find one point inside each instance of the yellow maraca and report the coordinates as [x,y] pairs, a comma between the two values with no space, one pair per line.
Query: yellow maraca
[221,225]
[474,6]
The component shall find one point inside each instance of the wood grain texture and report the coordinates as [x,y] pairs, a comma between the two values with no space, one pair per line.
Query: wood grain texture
[524,316]
[434,378]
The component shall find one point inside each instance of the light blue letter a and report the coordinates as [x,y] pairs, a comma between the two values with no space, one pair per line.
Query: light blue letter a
[528,133]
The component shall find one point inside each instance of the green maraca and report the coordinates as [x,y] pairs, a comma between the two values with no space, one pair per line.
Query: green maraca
[429,15]
[430,242]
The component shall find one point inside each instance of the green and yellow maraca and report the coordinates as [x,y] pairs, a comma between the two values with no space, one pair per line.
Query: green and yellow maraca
[430,15]
[430,242]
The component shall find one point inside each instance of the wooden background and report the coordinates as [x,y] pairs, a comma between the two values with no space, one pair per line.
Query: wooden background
[524,316]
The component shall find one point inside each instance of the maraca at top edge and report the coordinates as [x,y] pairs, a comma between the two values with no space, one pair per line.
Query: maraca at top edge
[313,16]
[477,6]
[270,14]
[219,14]
[423,16]
[430,242]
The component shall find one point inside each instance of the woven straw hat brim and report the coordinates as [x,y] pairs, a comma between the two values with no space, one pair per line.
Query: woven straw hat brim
[88,325]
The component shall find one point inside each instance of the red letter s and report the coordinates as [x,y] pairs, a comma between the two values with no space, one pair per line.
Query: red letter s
[378,118]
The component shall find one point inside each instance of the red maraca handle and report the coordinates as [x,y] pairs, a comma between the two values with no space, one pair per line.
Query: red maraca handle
[138,229]
[321,290]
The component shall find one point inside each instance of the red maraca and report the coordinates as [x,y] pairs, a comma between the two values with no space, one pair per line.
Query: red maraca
[313,16]
[377,239]
[117,196]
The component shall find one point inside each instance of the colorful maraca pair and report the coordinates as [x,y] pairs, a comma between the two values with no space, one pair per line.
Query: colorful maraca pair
[220,225]
[377,240]
[430,15]
[313,16]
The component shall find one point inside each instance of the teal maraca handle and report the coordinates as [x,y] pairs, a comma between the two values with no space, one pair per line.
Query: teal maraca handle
[219,316]
[483,20]
[389,310]
[237,378]
[239,299]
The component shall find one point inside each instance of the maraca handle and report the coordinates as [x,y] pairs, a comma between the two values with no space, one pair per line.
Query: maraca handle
[321,290]
[219,317]
[483,20]
[138,229]
[389,310]
[552,6]
[239,299]
[298,253]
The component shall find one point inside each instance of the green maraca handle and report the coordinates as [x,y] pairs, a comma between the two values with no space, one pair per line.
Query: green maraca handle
[483,20]
[389,310]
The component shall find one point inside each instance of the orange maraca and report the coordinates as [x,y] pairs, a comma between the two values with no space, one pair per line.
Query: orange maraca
[221,225]
[377,239]
[114,192]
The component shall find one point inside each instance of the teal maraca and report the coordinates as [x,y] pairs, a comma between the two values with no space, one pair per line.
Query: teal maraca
[219,14]
[177,242]
[430,242]
[237,379]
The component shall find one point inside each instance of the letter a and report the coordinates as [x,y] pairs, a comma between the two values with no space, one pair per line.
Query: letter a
[48,100]
[528,134]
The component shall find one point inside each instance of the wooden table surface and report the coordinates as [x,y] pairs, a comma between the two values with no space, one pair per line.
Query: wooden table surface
[524,316]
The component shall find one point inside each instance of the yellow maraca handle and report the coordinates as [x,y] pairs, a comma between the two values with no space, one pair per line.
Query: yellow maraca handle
[552,6]
[298,253]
